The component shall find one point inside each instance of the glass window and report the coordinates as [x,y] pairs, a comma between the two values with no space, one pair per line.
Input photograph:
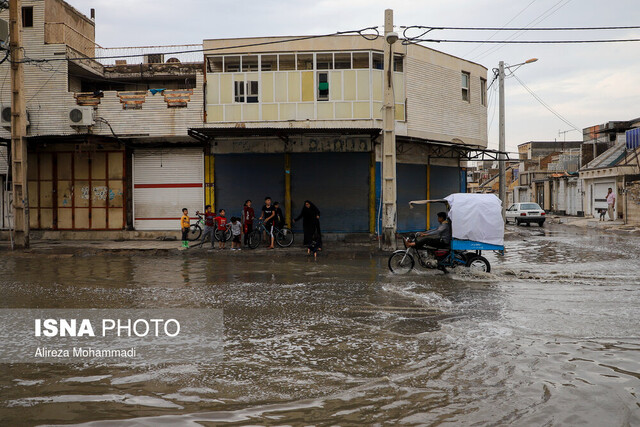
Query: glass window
[324,61]
[252,91]
[465,86]
[483,91]
[323,86]
[250,63]
[238,90]
[214,64]
[231,64]
[378,61]
[361,60]
[269,62]
[287,62]
[398,63]
[342,61]
[305,61]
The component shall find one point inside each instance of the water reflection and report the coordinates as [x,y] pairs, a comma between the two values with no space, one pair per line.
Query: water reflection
[550,332]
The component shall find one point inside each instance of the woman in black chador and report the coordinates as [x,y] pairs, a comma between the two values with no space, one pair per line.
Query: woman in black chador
[310,223]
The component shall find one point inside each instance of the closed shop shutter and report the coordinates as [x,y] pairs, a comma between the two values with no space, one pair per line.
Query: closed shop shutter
[239,177]
[77,190]
[338,184]
[412,185]
[599,195]
[164,182]
[445,180]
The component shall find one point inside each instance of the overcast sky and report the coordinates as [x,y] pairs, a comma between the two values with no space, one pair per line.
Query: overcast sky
[587,84]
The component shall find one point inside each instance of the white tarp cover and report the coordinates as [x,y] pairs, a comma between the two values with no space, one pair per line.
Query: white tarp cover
[476,217]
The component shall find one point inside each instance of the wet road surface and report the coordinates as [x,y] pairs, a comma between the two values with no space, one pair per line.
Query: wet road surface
[550,337]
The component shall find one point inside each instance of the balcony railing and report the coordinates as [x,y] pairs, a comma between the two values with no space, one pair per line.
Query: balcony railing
[186,54]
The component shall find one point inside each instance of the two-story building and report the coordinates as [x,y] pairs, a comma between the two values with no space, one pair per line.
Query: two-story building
[302,119]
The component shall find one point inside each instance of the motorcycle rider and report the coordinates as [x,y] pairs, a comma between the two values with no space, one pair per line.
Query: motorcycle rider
[439,238]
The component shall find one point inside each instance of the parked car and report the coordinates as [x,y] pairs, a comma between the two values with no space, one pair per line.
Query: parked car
[525,213]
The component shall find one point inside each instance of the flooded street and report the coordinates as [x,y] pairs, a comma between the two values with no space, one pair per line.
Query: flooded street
[550,337]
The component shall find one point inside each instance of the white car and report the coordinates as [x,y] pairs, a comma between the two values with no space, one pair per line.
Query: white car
[525,213]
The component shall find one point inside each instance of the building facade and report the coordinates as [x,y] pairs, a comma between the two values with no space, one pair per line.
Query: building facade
[122,139]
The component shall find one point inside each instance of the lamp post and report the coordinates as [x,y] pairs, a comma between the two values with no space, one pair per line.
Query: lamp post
[389,184]
[501,144]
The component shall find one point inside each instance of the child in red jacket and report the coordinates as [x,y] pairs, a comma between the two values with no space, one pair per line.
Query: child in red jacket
[221,221]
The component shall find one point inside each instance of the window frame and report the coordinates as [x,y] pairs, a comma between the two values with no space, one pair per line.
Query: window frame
[466,90]
[318,96]
[26,16]
[483,91]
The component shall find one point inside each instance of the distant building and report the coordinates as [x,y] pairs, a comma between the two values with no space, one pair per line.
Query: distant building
[617,167]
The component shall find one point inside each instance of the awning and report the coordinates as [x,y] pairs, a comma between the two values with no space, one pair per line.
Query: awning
[209,133]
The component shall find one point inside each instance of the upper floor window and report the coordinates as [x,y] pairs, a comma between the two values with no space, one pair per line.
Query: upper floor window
[323,86]
[466,79]
[483,91]
[27,16]
[245,91]
[301,62]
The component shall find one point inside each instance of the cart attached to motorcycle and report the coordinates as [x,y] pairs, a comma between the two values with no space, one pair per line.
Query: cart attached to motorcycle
[476,226]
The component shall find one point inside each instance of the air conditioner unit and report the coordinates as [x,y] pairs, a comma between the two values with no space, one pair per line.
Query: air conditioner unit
[5,116]
[154,58]
[81,116]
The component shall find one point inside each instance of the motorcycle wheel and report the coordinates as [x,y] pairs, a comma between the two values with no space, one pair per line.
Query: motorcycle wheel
[401,263]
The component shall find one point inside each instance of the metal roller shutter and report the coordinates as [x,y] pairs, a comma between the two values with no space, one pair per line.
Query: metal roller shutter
[164,182]
[445,180]
[239,177]
[412,185]
[338,184]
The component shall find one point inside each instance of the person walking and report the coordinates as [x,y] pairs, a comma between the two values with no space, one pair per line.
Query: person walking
[248,215]
[310,215]
[611,203]
[209,229]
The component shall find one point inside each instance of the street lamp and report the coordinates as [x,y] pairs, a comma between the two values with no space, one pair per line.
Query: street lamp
[389,184]
[501,144]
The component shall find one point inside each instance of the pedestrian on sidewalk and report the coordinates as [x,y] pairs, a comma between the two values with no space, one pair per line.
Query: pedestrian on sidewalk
[248,215]
[185,223]
[611,203]
[221,221]
[268,215]
[310,215]
[209,226]
[236,231]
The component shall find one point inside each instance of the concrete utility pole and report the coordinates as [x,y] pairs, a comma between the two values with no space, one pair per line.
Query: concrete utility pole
[389,184]
[18,128]
[502,190]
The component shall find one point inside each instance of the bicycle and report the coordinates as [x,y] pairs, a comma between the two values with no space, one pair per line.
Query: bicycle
[195,231]
[283,236]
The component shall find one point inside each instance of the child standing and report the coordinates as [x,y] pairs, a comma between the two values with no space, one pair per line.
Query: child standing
[221,220]
[236,230]
[247,220]
[185,223]
[209,229]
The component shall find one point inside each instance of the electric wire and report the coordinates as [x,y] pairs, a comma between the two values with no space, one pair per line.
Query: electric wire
[544,104]
[361,32]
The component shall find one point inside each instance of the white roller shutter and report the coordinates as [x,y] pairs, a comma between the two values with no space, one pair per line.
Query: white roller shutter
[599,195]
[164,182]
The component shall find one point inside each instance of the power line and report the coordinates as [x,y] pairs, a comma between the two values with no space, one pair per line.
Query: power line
[633,27]
[544,104]
[360,32]
[527,41]
[535,21]
[496,33]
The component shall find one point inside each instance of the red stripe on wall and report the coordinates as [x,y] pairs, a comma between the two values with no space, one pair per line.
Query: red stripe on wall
[187,185]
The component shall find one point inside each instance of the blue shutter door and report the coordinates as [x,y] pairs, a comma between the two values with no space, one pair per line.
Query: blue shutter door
[412,185]
[338,184]
[239,177]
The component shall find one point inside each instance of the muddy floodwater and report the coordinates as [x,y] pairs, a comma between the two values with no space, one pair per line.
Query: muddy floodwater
[550,337]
